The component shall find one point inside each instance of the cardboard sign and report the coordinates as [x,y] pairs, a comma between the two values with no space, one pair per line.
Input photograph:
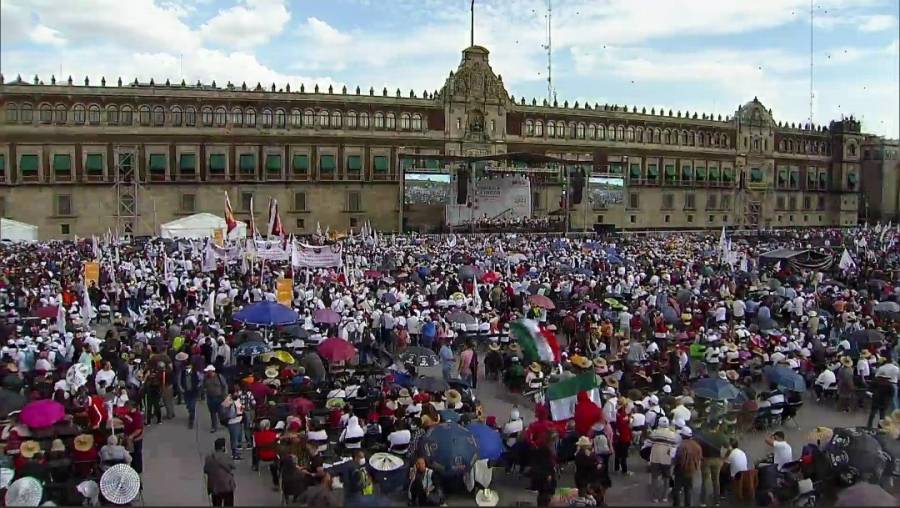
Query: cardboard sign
[284,291]
[91,272]
[219,237]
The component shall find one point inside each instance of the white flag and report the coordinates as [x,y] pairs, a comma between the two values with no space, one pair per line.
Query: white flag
[209,259]
[87,310]
[60,316]
[211,304]
[846,261]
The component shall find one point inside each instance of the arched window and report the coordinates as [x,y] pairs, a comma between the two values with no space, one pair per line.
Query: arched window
[639,134]
[12,112]
[579,131]
[611,132]
[539,129]
[781,145]
[756,145]
[629,134]
[27,113]
[46,113]
[620,133]
[221,116]
[529,128]
[336,119]
[60,115]
[144,115]
[190,116]
[206,116]
[351,120]
[280,118]
[790,145]
[112,115]
[601,132]
[296,118]
[237,117]
[267,118]
[692,138]
[551,129]
[94,114]
[592,131]
[309,118]
[78,114]
[683,138]
[404,121]
[851,148]
[572,130]
[657,136]
[177,116]
[324,118]
[390,121]
[250,118]
[127,115]
[363,120]
[379,120]
[666,138]
[159,116]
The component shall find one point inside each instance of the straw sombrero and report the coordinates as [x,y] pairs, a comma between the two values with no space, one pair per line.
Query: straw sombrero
[84,442]
[29,449]
[453,397]
[271,372]
[580,362]
[334,403]
[535,367]
[820,435]
[846,361]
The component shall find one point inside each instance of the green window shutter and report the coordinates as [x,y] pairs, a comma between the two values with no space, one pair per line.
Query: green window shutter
[687,173]
[381,163]
[810,179]
[300,163]
[727,175]
[782,176]
[247,163]
[670,171]
[652,171]
[823,180]
[187,163]
[852,178]
[700,173]
[635,171]
[157,162]
[2,163]
[354,163]
[62,163]
[28,163]
[615,168]
[433,164]
[795,179]
[756,175]
[713,174]
[273,163]
[217,163]
[326,163]
[94,163]
[406,164]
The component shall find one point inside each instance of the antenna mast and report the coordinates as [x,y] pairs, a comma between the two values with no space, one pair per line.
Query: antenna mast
[551,93]
[811,15]
[472,24]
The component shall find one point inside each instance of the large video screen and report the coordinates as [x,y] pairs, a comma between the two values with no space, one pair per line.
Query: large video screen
[427,189]
[606,191]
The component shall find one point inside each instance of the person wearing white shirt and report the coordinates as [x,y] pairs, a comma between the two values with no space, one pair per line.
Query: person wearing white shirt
[398,440]
[824,381]
[862,366]
[781,450]
[720,313]
[736,460]
[352,435]
[681,412]
[513,428]
[738,309]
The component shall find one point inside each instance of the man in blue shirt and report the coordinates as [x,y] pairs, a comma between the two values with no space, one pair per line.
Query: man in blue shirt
[447,361]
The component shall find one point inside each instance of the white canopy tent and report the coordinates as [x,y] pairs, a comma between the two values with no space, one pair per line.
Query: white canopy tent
[199,225]
[17,231]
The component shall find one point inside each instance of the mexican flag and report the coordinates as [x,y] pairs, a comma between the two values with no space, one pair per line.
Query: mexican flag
[537,344]
[563,396]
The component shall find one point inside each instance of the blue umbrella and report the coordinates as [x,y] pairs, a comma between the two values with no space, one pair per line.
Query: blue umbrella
[267,314]
[252,348]
[449,415]
[490,444]
[715,389]
[785,378]
[449,449]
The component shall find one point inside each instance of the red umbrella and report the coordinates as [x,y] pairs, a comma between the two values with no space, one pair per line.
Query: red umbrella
[302,405]
[46,312]
[541,301]
[336,350]
[373,274]
[41,414]
[490,277]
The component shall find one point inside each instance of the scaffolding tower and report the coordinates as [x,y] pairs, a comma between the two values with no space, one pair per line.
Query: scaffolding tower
[127,190]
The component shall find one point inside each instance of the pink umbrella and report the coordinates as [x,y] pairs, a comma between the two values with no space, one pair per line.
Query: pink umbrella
[41,414]
[336,350]
[46,312]
[541,301]
[373,274]
[302,405]
[326,316]
[490,277]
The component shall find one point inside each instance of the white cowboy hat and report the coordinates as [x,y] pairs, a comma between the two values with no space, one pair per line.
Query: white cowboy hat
[487,497]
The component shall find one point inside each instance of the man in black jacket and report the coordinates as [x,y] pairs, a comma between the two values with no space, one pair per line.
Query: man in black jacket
[190,382]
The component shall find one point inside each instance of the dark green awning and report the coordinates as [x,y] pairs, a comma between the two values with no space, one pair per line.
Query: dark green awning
[2,162]
[810,178]
[852,177]
[188,163]
[354,163]
[247,163]
[433,164]
[782,176]
[635,170]
[406,163]
[670,170]
[615,168]
[795,178]
[687,173]
[157,162]
[727,175]
[700,173]
[756,175]
[217,162]
[28,163]
[62,162]
[823,180]
[94,163]
[381,163]
[301,163]
[652,171]
[273,163]
[327,163]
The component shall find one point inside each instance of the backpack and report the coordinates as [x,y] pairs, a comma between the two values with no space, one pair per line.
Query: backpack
[227,412]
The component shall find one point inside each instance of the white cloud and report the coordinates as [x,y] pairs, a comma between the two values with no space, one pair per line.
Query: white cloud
[878,23]
[46,35]
[251,23]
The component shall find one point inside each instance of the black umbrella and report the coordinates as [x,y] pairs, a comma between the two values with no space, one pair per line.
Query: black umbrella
[461,317]
[294,332]
[419,356]
[857,448]
[864,494]
[867,336]
[10,401]
[432,384]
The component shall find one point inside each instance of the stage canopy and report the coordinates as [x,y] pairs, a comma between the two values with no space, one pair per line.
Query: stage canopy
[798,259]
[17,231]
[199,225]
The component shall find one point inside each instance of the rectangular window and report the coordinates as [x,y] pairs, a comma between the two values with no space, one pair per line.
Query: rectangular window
[615,168]
[633,200]
[188,202]
[217,163]
[2,167]
[823,180]
[852,179]
[811,179]
[299,201]
[711,202]
[713,173]
[536,201]
[62,163]
[632,219]
[247,164]
[93,164]
[634,171]
[273,163]
[689,201]
[327,163]
[820,203]
[807,202]
[354,201]
[668,201]
[28,165]
[687,173]
[63,205]
[380,163]
[188,163]
[725,202]
[671,175]
[354,163]
[700,173]
[690,218]
[246,201]
[779,203]
[782,178]
[301,223]
[300,163]
[652,172]
[157,163]
[727,175]
[792,203]
[756,175]
[64,229]
[795,179]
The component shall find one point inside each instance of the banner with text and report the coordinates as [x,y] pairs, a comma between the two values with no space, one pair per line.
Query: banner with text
[284,291]
[270,250]
[92,272]
[316,256]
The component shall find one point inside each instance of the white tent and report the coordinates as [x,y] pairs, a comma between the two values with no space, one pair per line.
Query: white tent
[17,231]
[199,225]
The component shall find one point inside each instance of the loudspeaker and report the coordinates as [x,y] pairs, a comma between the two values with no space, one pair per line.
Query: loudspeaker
[462,187]
[578,187]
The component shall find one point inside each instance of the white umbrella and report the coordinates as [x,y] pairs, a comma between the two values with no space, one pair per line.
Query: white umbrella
[77,376]
[385,462]
[120,484]
[25,491]
[6,477]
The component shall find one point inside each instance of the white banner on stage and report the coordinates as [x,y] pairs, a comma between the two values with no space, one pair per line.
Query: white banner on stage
[316,256]
[498,197]
[271,250]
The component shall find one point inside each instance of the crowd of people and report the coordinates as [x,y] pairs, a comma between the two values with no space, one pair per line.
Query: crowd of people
[688,342]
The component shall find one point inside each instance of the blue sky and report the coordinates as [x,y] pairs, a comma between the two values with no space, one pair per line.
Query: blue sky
[697,55]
